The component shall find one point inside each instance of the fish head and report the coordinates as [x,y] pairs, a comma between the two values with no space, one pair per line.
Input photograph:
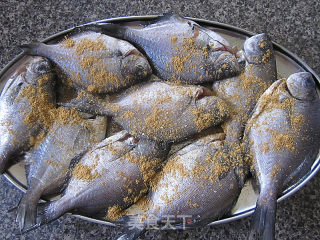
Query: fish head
[223,64]
[136,66]
[39,69]
[209,110]
[302,86]
[258,49]
[152,149]
[28,74]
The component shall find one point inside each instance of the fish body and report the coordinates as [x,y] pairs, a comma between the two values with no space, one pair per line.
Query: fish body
[48,164]
[160,111]
[24,103]
[243,91]
[282,137]
[179,49]
[190,182]
[95,62]
[109,178]
[189,188]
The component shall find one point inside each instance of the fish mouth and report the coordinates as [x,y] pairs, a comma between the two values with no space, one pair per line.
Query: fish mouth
[224,48]
[39,65]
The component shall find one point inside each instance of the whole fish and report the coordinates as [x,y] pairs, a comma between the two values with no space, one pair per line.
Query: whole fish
[243,91]
[25,103]
[160,111]
[95,62]
[108,178]
[283,138]
[179,49]
[47,165]
[189,188]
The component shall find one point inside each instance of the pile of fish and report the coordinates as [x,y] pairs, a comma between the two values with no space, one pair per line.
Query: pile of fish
[166,116]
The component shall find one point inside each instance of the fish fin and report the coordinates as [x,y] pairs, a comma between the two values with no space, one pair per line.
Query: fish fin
[48,212]
[33,49]
[40,211]
[72,165]
[94,27]
[12,209]
[263,221]
[82,29]
[85,104]
[29,229]
[77,158]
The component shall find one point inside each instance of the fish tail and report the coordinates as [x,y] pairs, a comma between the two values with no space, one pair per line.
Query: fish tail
[89,105]
[263,221]
[133,228]
[168,16]
[27,210]
[33,49]
[131,234]
[111,29]
[35,226]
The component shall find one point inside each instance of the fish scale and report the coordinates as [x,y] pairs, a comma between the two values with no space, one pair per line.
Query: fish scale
[188,186]
[16,106]
[95,62]
[168,42]
[243,91]
[48,164]
[102,178]
[283,137]
[145,110]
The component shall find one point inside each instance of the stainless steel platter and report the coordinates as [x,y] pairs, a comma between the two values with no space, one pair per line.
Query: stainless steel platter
[287,63]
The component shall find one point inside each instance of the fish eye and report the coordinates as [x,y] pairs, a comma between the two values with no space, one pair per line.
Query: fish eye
[19,86]
[42,67]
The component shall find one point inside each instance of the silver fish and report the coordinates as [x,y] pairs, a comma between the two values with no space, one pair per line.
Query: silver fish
[95,62]
[48,164]
[189,187]
[20,106]
[282,137]
[179,49]
[160,111]
[243,91]
[108,178]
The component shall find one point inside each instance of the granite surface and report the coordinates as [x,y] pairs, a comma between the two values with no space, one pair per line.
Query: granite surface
[292,23]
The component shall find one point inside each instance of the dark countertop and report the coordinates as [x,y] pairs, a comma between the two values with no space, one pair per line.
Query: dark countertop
[293,24]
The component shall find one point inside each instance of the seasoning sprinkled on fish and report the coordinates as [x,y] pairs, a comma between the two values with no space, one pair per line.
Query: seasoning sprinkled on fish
[179,49]
[95,62]
[282,138]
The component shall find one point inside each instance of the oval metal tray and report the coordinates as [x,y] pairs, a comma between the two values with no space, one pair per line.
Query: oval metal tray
[287,63]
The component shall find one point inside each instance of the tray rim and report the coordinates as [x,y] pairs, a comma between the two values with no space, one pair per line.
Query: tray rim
[277,47]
